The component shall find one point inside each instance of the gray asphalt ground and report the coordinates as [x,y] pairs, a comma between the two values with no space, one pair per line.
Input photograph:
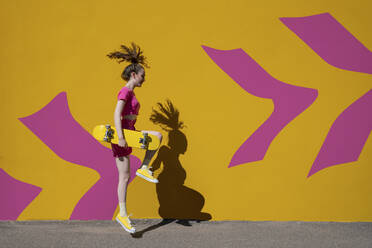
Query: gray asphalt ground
[161,233]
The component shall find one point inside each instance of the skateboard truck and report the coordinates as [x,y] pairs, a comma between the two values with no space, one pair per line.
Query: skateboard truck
[145,141]
[108,134]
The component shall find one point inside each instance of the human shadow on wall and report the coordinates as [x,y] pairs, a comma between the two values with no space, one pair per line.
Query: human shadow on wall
[177,202]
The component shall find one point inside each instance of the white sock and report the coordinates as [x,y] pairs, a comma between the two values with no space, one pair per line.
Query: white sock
[144,167]
[123,210]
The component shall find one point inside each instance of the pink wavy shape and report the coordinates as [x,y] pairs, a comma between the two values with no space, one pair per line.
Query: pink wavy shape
[334,44]
[347,136]
[331,41]
[15,196]
[289,100]
[56,127]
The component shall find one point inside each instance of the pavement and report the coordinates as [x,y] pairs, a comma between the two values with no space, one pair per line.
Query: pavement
[170,233]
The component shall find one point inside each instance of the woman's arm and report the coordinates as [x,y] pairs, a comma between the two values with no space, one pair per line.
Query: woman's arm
[118,109]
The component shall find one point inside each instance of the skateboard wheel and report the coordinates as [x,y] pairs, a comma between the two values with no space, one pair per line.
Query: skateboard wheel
[108,134]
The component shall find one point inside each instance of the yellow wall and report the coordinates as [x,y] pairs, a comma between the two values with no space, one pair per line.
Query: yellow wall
[53,46]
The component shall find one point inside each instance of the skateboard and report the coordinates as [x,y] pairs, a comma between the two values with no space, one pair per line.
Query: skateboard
[134,138]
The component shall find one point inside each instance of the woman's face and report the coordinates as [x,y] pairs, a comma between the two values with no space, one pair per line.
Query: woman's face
[140,78]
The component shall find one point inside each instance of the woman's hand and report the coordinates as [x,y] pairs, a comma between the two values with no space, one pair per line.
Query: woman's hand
[123,143]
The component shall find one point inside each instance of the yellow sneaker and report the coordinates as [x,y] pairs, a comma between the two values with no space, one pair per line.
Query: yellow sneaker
[125,223]
[147,175]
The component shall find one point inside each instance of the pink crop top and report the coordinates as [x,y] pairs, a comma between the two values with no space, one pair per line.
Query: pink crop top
[132,105]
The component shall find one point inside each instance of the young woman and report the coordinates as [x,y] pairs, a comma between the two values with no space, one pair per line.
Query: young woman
[125,115]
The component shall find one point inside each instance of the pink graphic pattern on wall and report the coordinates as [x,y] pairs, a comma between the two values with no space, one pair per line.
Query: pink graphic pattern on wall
[289,100]
[335,45]
[15,196]
[347,136]
[331,41]
[56,127]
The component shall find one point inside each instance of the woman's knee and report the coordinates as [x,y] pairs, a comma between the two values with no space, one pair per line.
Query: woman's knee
[159,135]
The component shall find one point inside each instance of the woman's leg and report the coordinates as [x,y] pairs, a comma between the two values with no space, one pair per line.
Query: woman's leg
[123,164]
[150,153]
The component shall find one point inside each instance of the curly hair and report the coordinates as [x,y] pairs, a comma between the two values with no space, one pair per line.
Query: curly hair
[133,55]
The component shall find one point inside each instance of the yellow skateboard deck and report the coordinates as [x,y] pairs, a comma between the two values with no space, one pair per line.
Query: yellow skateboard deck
[134,138]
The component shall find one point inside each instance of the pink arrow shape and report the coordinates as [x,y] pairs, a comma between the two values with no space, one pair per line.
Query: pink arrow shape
[333,43]
[56,127]
[15,196]
[347,136]
[289,100]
